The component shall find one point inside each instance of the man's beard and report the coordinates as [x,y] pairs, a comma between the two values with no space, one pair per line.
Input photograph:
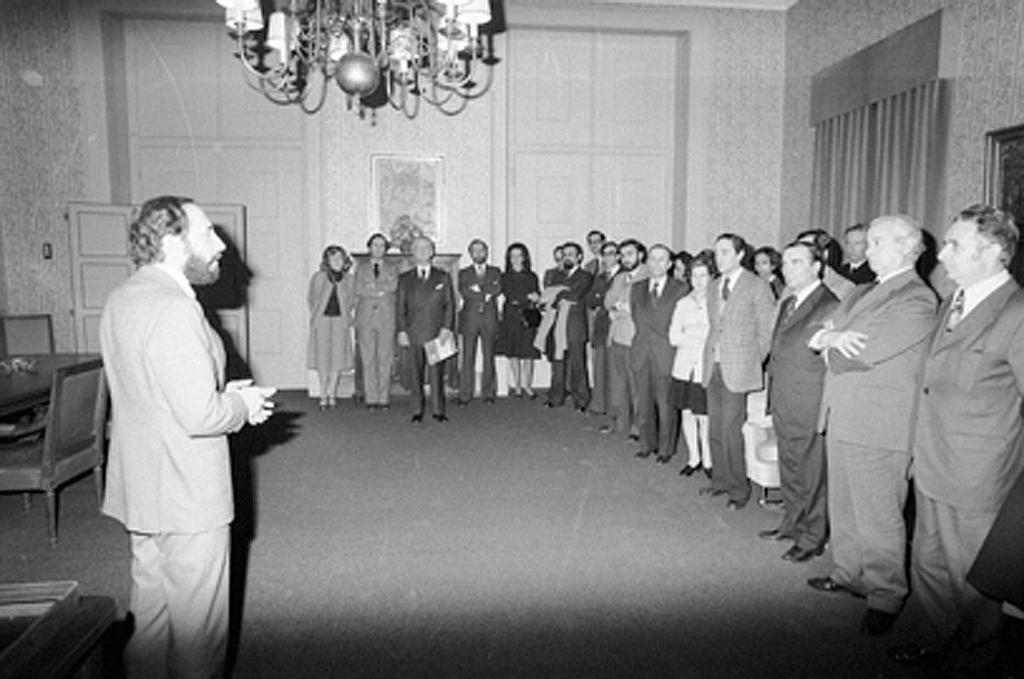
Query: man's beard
[199,272]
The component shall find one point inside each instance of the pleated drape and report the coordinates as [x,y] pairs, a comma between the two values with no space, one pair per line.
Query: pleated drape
[883,158]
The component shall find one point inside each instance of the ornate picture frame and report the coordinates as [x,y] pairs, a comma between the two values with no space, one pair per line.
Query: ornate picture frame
[1004,180]
[406,197]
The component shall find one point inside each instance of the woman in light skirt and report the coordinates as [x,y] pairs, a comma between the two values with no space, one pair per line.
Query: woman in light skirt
[330,299]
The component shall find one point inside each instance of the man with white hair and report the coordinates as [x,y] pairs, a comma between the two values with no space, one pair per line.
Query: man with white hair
[873,345]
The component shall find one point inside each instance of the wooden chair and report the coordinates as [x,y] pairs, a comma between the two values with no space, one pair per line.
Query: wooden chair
[26,334]
[72,443]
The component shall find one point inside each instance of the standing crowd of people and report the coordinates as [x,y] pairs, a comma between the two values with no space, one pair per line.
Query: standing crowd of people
[870,382]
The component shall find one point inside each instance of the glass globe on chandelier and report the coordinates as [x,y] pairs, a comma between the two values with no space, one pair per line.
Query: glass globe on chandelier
[397,52]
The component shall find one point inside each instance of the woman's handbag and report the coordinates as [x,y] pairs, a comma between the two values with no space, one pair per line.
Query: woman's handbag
[531,317]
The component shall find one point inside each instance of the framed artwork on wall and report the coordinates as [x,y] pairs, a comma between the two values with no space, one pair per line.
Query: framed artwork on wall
[1004,180]
[406,197]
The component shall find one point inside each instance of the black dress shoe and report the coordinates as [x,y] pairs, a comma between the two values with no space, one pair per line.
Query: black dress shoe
[441,418]
[663,459]
[913,655]
[774,535]
[734,505]
[875,623]
[712,491]
[634,437]
[798,554]
[829,585]
[489,400]
[689,470]
[707,472]
[418,417]
[580,409]
[644,454]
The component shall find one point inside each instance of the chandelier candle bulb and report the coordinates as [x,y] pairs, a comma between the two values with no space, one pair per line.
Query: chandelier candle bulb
[241,5]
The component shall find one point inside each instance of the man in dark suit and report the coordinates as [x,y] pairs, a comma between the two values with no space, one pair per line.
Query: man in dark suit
[741,312]
[479,286]
[651,305]
[855,265]
[426,310]
[600,323]
[873,344]
[968,438]
[796,375]
[569,368]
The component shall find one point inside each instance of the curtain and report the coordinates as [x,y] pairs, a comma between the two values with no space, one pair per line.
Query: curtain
[883,158]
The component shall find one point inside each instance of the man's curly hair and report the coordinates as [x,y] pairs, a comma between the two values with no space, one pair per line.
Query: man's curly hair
[154,219]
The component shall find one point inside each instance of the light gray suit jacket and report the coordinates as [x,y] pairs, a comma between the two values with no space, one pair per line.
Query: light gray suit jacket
[169,470]
[968,442]
[743,332]
[869,400]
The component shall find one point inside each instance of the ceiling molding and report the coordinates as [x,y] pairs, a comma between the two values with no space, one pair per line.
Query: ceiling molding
[762,5]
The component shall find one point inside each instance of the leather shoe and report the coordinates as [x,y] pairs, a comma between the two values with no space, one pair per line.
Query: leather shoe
[418,417]
[774,535]
[489,400]
[441,418]
[913,655]
[663,459]
[643,454]
[707,472]
[797,554]
[689,470]
[734,505]
[633,436]
[711,491]
[829,585]
[875,623]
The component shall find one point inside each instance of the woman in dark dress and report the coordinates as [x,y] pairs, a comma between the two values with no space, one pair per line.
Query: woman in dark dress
[521,289]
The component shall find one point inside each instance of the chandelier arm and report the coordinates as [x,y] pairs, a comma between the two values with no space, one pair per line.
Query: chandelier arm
[311,110]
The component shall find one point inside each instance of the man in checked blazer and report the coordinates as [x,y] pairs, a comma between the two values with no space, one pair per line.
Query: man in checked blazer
[741,312]
[651,305]
[873,345]
[968,444]
[796,375]
[426,310]
[169,476]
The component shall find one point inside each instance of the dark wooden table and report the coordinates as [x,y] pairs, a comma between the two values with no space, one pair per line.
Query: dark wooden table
[24,390]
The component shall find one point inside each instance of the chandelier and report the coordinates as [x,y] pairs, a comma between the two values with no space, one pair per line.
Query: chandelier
[397,52]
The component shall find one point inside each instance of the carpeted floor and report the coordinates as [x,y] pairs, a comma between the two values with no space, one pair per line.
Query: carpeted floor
[513,541]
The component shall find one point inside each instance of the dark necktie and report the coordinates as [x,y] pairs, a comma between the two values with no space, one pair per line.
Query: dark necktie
[656,291]
[423,274]
[376,270]
[725,290]
[788,305]
[956,311]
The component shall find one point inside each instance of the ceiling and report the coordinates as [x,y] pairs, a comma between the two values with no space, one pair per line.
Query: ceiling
[776,5]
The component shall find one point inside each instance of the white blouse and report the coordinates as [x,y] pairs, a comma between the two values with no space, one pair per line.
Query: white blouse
[688,332]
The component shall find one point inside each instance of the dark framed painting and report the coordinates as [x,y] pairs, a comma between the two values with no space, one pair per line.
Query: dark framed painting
[1004,180]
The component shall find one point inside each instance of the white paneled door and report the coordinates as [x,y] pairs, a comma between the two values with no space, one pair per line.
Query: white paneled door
[593,136]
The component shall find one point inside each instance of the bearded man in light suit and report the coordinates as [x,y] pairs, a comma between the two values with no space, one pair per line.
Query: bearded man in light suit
[873,345]
[169,475]
[968,439]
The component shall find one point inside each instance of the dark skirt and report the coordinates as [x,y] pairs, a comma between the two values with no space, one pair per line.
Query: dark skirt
[687,395]
[515,339]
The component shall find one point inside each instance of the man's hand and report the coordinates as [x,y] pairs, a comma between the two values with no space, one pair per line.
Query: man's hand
[849,343]
[445,335]
[403,338]
[255,398]
[475,287]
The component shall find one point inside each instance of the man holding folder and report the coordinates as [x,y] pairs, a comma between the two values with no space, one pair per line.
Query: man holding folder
[426,312]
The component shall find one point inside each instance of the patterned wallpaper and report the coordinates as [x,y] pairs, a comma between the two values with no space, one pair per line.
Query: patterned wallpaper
[988,92]
[41,160]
